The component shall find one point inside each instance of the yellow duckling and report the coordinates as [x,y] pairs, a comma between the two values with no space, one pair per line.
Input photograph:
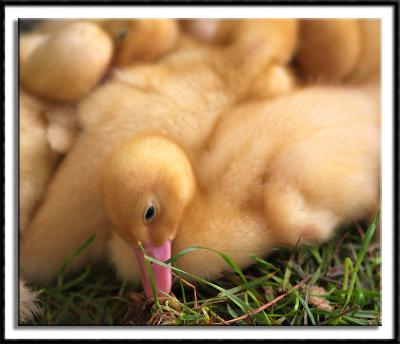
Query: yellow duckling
[65,65]
[37,160]
[46,132]
[271,173]
[181,97]
[319,57]
[36,164]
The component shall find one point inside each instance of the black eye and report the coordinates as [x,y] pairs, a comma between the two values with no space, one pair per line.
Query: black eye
[150,213]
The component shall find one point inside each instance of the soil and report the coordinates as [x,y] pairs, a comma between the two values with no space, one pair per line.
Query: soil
[136,314]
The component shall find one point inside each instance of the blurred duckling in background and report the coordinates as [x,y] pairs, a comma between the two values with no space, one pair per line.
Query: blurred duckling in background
[47,132]
[134,40]
[181,98]
[332,50]
[203,30]
[65,65]
[36,158]
[36,164]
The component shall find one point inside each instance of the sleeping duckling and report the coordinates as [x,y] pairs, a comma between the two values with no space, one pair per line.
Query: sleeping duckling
[46,132]
[37,160]
[272,172]
[65,65]
[202,29]
[318,56]
[36,164]
[180,97]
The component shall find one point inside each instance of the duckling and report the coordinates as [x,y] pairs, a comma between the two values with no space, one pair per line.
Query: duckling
[37,160]
[65,65]
[36,163]
[272,173]
[134,40]
[318,56]
[202,29]
[180,97]
[46,133]
[141,39]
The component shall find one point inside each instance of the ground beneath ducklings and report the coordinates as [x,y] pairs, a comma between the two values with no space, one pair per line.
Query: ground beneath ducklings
[338,283]
[136,313]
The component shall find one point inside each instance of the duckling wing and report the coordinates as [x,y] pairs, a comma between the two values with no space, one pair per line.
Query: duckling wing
[311,157]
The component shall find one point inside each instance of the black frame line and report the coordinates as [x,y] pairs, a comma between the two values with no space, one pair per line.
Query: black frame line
[254,3]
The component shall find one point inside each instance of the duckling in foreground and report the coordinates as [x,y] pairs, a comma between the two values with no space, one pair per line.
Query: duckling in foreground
[181,98]
[272,172]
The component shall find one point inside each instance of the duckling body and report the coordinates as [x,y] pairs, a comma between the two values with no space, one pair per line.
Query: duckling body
[37,160]
[181,97]
[297,166]
[36,164]
[273,172]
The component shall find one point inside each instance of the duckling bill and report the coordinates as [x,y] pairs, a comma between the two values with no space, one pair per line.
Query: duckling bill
[162,275]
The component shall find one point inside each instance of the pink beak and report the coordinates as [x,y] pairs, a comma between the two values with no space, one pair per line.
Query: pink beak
[162,275]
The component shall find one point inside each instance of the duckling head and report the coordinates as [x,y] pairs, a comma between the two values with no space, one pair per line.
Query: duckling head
[147,183]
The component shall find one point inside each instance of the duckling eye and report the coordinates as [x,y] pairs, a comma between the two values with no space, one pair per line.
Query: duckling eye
[150,213]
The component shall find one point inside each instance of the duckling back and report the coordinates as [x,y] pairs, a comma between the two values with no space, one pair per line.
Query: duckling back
[279,171]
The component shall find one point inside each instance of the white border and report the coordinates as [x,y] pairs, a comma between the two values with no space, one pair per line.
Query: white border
[12,13]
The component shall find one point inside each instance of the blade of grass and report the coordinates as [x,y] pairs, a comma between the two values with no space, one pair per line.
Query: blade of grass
[258,282]
[263,262]
[348,267]
[151,278]
[77,280]
[308,311]
[286,276]
[228,260]
[72,256]
[364,247]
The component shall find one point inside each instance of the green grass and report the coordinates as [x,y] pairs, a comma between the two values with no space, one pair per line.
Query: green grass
[336,284]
